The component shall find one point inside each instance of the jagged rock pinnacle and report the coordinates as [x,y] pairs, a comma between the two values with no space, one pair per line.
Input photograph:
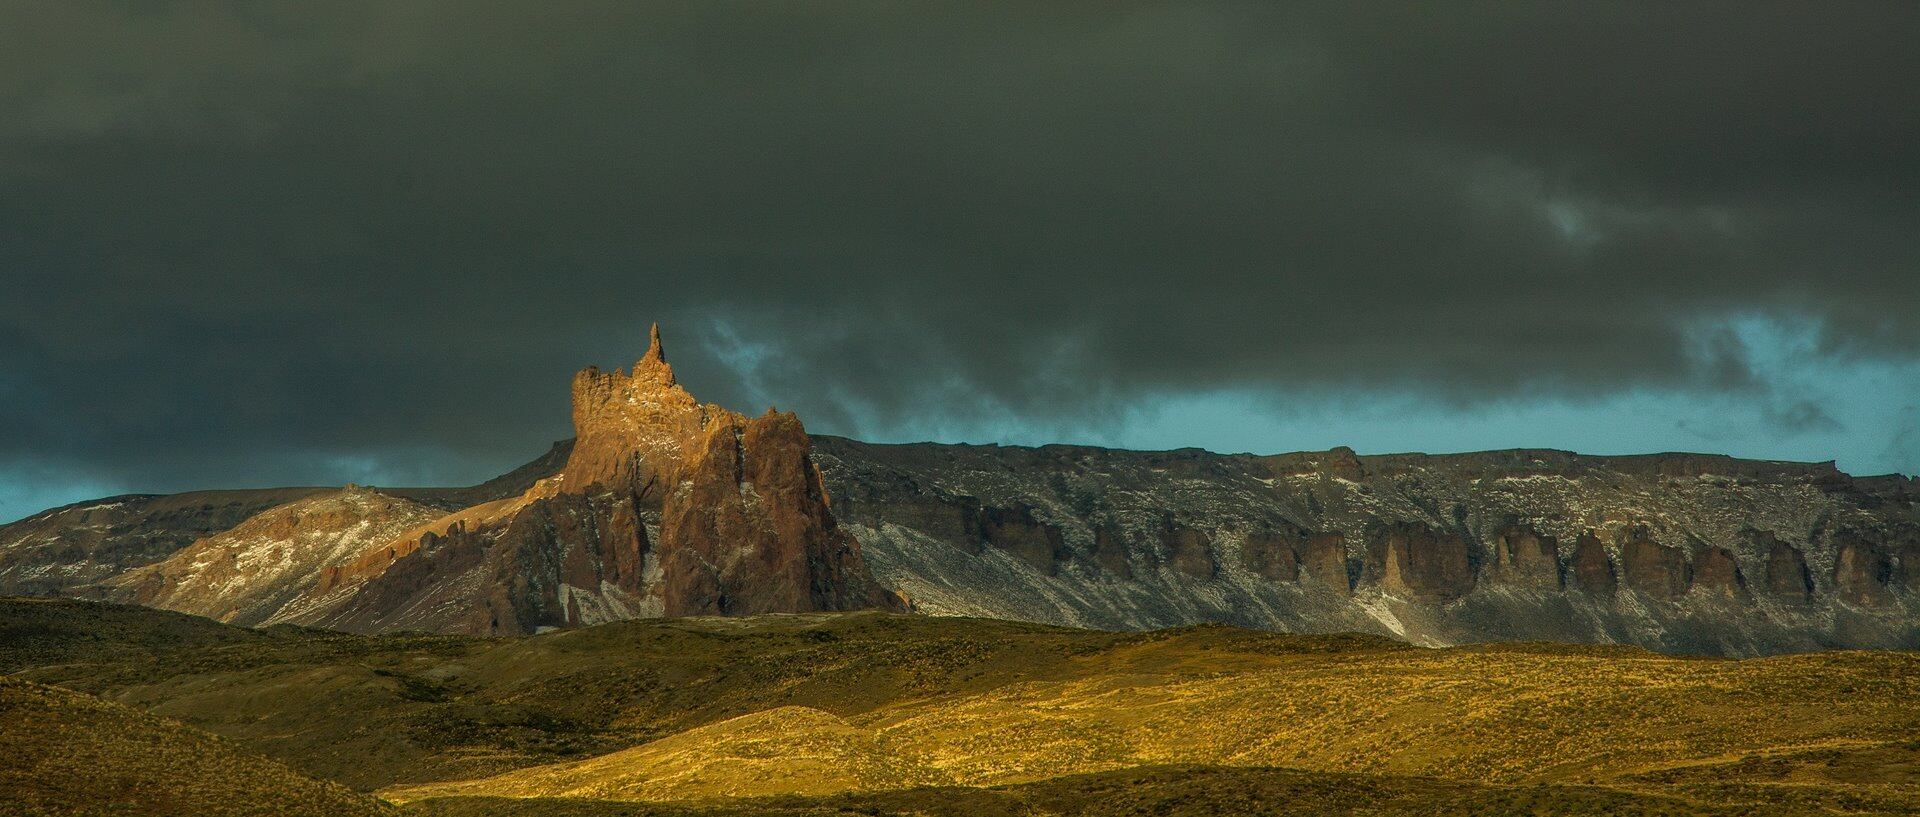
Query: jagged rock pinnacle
[654,362]
[745,525]
[655,352]
[617,416]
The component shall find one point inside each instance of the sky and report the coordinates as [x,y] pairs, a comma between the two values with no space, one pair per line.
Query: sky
[275,243]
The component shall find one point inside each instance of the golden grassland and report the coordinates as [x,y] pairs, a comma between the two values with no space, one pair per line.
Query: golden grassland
[879,714]
[1507,716]
[1175,791]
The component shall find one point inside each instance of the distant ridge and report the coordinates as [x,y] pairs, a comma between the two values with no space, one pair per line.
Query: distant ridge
[662,505]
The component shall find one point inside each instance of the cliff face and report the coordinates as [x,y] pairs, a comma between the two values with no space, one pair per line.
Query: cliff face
[1522,557]
[1788,578]
[1324,560]
[665,506]
[1592,566]
[1414,559]
[1863,569]
[1691,553]
[1274,555]
[1653,568]
[1715,570]
[746,528]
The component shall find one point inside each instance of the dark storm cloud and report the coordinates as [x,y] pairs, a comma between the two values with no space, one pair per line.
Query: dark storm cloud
[258,242]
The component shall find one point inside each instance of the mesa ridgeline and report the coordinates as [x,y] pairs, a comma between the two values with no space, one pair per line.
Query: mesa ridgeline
[663,506]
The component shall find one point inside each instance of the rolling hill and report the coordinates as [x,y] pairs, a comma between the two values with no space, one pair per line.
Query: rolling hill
[881,708]
[70,754]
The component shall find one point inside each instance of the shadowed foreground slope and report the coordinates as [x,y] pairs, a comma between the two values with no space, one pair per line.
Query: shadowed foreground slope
[71,754]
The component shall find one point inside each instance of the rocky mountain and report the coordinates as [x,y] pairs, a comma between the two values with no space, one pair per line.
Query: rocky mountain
[663,506]
[61,549]
[743,524]
[246,574]
[660,506]
[1676,552]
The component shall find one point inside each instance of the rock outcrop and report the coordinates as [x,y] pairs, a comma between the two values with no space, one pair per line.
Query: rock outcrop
[1339,462]
[664,506]
[1862,570]
[1415,559]
[1788,578]
[1715,570]
[1592,567]
[1273,555]
[1188,550]
[1522,557]
[1324,558]
[746,528]
[634,429]
[1111,553]
[1016,531]
[548,558]
[1652,568]
[1903,547]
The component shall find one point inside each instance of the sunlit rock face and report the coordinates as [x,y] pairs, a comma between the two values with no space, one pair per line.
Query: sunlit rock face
[247,573]
[739,517]
[663,506]
[545,559]
[635,429]
[62,551]
[746,528]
